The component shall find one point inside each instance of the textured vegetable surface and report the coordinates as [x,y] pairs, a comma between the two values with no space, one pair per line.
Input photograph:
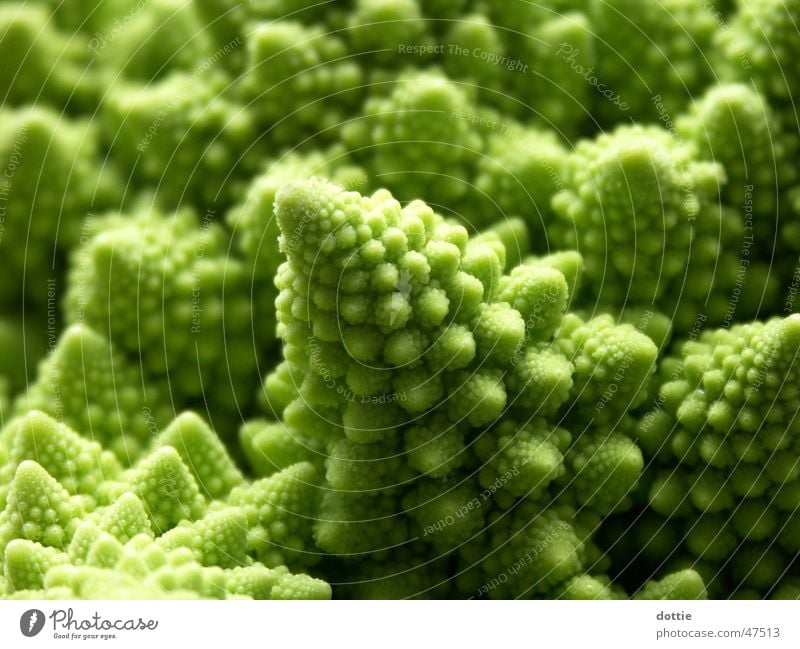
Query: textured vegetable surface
[399,298]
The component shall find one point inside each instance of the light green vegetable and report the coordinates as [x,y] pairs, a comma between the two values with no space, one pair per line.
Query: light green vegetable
[399,298]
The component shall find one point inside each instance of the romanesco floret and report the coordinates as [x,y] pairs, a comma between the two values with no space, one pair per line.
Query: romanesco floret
[761,45]
[165,293]
[182,136]
[158,37]
[255,230]
[85,383]
[724,430]
[472,33]
[560,376]
[419,140]
[531,552]
[651,58]
[641,208]
[203,453]
[80,464]
[75,524]
[543,72]
[416,378]
[374,24]
[270,446]
[298,79]
[42,63]
[280,511]
[519,175]
[50,182]
[640,188]
[732,124]
[684,584]
[252,220]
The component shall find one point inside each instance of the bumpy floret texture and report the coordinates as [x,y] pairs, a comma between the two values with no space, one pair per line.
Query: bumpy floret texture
[733,125]
[182,522]
[374,23]
[652,57]
[536,353]
[519,176]
[641,206]
[50,176]
[178,133]
[629,201]
[255,230]
[540,70]
[761,45]
[725,423]
[85,383]
[422,356]
[419,136]
[134,268]
[150,44]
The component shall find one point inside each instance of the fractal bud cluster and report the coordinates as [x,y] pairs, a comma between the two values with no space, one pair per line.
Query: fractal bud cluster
[400,299]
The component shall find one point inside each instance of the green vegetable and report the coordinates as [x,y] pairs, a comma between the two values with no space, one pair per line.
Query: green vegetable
[75,524]
[393,298]
[86,384]
[725,423]
[652,65]
[416,354]
[413,137]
